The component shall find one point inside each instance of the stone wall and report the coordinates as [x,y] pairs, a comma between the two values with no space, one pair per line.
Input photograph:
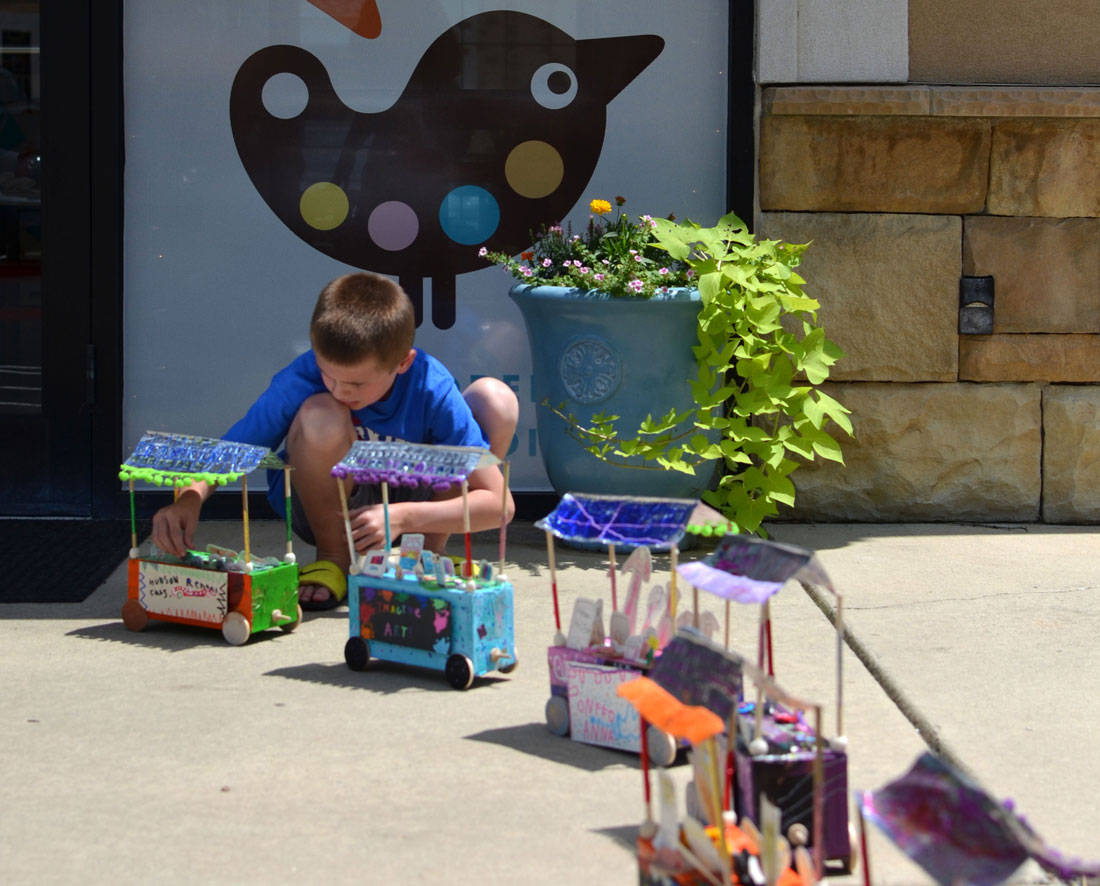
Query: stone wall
[903,189]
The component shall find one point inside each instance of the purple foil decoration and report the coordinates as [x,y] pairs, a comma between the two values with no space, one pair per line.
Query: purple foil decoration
[746,569]
[371,463]
[698,672]
[950,826]
[599,520]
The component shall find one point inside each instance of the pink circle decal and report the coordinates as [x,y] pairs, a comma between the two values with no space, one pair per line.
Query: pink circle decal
[393,225]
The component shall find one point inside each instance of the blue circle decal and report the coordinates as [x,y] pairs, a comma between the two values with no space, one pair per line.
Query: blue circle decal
[469,215]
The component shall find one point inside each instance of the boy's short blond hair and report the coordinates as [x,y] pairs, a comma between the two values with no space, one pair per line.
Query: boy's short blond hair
[360,316]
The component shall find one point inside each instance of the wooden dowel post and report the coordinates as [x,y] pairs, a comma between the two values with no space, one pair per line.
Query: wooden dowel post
[244,506]
[469,569]
[613,568]
[347,518]
[504,517]
[553,577]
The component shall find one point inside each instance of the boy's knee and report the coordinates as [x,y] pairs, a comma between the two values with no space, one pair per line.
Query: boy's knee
[495,407]
[320,422]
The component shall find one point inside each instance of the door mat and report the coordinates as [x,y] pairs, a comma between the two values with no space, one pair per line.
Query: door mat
[61,561]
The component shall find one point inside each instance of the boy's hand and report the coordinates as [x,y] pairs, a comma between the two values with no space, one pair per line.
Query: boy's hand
[174,525]
[368,526]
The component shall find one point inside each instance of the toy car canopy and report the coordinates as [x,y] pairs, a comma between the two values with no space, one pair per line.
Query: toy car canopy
[179,459]
[950,826]
[599,520]
[750,570]
[411,464]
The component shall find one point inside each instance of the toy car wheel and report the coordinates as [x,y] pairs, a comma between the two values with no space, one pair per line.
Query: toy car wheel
[134,615]
[459,671]
[662,746]
[236,629]
[557,715]
[850,863]
[357,653]
[292,625]
[508,668]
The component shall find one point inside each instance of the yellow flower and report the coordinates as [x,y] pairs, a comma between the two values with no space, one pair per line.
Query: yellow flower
[600,207]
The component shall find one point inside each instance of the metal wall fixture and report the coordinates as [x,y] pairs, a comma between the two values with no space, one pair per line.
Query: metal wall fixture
[976,305]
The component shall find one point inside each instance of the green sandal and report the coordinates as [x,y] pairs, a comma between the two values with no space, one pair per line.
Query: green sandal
[325,574]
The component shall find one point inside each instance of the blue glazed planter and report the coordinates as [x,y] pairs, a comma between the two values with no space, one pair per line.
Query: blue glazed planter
[618,356]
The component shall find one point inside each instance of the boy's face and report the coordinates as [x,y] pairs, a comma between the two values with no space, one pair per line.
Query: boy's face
[360,384]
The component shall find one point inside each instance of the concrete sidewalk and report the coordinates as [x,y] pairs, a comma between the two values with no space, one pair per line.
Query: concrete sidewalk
[169,756]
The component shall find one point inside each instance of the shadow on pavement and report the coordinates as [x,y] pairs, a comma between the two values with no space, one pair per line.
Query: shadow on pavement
[535,739]
[165,635]
[380,678]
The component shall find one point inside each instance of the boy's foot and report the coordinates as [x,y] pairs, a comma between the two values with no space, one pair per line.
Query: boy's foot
[322,585]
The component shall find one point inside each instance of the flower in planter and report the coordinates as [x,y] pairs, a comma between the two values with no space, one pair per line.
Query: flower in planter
[617,255]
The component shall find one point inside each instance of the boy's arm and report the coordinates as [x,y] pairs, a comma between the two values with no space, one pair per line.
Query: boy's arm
[174,524]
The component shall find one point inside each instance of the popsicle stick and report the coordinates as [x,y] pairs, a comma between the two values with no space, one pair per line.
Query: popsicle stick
[863,845]
[133,517]
[645,769]
[289,534]
[469,568]
[768,636]
[553,578]
[614,567]
[504,517]
[386,516]
[244,500]
[673,556]
[347,518]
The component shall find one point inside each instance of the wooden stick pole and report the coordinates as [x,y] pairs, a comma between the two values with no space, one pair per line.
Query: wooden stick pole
[133,517]
[386,516]
[673,556]
[469,570]
[347,517]
[553,578]
[504,517]
[289,534]
[244,500]
[613,570]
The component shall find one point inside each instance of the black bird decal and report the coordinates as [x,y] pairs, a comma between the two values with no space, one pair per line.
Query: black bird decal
[497,131]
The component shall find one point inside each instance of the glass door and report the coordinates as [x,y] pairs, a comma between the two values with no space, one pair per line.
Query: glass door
[46,355]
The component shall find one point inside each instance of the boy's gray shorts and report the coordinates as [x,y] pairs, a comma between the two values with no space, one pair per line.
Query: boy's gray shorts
[361,497]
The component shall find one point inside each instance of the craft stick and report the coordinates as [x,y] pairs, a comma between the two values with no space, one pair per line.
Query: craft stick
[386,516]
[244,500]
[673,556]
[504,517]
[695,607]
[645,769]
[347,518]
[286,489]
[839,665]
[133,517]
[553,577]
[760,642]
[768,636]
[611,560]
[819,796]
[469,569]
[863,845]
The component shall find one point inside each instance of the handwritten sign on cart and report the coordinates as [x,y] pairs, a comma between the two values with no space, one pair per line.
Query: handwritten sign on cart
[183,592]
[597,715]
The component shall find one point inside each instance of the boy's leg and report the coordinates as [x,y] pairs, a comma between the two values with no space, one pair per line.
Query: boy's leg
[496,411]
[319,437]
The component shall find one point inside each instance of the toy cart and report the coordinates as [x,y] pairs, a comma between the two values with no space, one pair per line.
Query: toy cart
[711,846]
[775,749]
[587,665]
[218,587]
[416,610]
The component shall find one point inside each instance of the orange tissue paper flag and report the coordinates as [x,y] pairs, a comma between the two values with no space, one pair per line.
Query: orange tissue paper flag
[665,711]
[360,16]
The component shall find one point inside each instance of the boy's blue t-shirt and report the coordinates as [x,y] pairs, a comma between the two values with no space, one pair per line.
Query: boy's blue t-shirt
[424,406]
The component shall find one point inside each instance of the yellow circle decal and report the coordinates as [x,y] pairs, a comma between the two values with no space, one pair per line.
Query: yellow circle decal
[324,206]
[534,169]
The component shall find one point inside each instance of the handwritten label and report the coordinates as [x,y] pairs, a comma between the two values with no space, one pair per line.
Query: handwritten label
[586,626]
[597,715]
[181,592]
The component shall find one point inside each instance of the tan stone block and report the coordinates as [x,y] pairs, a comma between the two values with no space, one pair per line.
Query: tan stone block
[1046,271]
[930,452]
[1045,167]
[1015,101]
[1003,41]
[888,287]
[874,164]
[857,100]
[1071,454]
[1041,358]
